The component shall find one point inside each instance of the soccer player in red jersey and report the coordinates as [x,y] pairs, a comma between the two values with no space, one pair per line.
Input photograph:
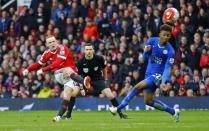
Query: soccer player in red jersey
[62,63]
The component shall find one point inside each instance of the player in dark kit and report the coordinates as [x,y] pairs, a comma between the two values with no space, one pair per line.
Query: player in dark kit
[94,66]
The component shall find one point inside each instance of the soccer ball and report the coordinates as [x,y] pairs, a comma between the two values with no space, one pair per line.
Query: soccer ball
[170,15]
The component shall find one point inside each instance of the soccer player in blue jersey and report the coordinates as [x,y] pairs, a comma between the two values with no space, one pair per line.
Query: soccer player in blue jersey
[159,54]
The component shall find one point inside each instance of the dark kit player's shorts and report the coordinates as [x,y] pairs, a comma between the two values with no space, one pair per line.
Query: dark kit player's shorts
[98,86]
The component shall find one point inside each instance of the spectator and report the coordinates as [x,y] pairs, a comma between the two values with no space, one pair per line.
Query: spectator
[180,55]
[45,92]
[58,10]
[5,21]
[91,30]
[204,59]
[204,74]
[104,26]
[193,57]
[202,18]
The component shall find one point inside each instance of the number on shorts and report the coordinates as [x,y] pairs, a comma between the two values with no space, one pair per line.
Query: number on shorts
[157,76]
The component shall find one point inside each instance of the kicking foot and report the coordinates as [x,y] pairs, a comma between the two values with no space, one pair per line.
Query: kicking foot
[176,115]
[56,119]
[86,82]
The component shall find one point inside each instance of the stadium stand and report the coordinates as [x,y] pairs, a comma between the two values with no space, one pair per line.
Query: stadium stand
[117,29]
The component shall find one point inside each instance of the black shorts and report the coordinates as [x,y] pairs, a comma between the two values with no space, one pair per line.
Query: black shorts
[98,86]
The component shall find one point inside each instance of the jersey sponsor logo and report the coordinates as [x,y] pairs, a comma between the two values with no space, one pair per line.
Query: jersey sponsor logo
[157,60]
[85,70]
[165,52]
[96,68]
[62,52]
[171,60]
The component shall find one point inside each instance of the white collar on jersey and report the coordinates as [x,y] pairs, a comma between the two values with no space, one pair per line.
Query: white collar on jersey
[160,46]
[53,52]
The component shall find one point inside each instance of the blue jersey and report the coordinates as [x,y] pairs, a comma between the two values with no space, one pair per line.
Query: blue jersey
[160,59]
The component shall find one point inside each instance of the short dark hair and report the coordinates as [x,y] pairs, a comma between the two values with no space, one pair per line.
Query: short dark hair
[166,27]
[88,44]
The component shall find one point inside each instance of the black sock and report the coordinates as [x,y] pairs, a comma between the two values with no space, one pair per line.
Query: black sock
[77,78]
[114,102]
[70,107]
[63,107]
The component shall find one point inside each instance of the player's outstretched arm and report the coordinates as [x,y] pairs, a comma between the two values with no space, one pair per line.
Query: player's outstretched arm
[147,49]
[146,53]
[53,65]
[32,67]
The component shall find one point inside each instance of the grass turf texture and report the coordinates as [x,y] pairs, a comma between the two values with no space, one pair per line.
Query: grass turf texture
[103,120]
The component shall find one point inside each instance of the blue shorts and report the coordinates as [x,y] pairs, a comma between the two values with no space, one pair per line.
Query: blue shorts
[153,82]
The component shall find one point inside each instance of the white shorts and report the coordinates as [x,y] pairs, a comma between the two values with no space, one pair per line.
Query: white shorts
[63,77]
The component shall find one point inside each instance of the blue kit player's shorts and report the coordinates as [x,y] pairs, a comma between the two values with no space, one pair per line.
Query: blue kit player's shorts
[153,82]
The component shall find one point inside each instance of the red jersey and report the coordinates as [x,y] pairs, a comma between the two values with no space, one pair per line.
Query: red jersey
[61,58]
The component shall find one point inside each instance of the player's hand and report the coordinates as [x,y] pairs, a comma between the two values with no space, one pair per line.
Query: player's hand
[83,93]
[39,72]
[25,72]
[147,48]
[163,87]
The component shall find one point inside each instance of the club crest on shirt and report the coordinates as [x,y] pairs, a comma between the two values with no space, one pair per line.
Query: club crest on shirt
[165,52]
[85,70]
[96,68]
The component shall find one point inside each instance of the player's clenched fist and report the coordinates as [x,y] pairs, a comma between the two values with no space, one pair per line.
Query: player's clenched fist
[25,72]
[147,48]
[39,72]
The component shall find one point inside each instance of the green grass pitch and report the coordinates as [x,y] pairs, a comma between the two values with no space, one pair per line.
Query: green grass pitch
[104,121]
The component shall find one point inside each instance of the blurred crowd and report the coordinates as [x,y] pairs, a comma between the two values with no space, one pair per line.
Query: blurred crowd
[118,29]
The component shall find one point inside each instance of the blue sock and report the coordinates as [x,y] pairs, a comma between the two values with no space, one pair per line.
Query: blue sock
[162,106]
[127,99]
